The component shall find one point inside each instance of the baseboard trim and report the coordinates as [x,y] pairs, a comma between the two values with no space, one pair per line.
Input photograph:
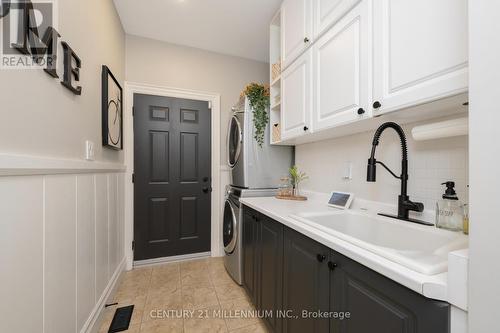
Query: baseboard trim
[93,319]
[163,260]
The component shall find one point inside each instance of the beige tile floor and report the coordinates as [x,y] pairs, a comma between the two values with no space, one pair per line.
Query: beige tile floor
[202,286]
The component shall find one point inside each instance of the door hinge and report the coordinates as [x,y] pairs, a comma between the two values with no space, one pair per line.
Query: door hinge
[133,111]
[210,105]
[133,178]
[133,245]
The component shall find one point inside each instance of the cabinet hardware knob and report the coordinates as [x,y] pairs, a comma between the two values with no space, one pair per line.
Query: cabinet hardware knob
[332,265]
[376,105]
[205,189]
[306,128]
[306,40]
[361,111]
[321,257]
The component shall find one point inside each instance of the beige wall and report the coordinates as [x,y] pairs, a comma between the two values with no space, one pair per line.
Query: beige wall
[158,63]
[430,164]
[38,115]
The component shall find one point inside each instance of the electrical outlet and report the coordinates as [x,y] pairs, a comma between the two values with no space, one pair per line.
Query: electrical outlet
[347,171]
[89,150]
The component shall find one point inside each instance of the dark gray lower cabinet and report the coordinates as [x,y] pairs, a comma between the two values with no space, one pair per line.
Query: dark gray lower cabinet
[263,265]
[271,272]
[305,283]
[379,305]
[250,255]
[283,270]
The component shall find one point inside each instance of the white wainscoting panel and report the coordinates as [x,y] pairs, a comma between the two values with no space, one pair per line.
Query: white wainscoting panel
[121,216]
[86,260]
[62,246]
[21,255]
[60,254]
[112,223]
[101,235]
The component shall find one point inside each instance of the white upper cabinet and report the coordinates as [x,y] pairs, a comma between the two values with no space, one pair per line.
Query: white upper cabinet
[296,29]
[420,51]
[327,12]
[296,90]
[342,70]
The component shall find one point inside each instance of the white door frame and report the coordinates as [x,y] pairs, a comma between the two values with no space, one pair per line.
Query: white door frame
[132,88]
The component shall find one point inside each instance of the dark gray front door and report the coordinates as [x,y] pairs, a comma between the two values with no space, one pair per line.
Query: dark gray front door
[172,168]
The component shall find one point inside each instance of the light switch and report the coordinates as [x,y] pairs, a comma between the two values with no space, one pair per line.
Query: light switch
[89,150]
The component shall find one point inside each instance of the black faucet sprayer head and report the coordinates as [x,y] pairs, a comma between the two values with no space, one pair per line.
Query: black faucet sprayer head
[371,174]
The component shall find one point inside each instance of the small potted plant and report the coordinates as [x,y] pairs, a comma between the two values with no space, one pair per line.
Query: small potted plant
[296,177]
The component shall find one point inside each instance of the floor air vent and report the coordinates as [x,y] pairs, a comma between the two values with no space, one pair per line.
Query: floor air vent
[121,319]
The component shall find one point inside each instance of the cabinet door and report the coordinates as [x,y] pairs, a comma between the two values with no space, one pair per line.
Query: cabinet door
[378,304]
[250,253]
[420,51]
[271,271]
[327,12]
[296,29]
[305,282]
[342,67]
[296,97]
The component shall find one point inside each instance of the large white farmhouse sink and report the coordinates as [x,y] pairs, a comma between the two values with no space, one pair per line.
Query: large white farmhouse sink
[423,249]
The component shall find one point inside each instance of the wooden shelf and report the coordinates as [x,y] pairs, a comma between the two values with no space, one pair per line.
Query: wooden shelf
[275,83]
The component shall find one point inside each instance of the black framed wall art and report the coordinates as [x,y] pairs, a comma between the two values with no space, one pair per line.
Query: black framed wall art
[112,111]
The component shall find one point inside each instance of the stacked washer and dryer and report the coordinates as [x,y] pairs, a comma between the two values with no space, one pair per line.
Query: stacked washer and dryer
[255,172]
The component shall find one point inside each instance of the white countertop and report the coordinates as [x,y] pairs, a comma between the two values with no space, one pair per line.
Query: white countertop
[431,286]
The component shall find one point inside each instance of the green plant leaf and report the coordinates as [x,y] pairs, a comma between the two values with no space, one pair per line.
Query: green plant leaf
[258,96]
[296,176]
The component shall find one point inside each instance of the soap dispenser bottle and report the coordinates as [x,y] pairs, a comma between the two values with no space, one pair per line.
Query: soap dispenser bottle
[449,212]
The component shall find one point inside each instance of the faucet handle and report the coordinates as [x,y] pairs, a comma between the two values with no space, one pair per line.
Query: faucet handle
[416,206]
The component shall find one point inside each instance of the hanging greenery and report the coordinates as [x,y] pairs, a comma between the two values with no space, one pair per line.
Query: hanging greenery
[258,95]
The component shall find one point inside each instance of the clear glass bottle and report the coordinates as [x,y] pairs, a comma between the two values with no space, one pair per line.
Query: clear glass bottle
[466,219]
[285,189]
[449,210]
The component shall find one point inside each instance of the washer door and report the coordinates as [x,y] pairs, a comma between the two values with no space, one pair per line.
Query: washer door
[229,231]
[234,142]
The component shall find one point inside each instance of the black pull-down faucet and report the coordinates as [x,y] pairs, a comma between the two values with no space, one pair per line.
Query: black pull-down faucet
[405,205]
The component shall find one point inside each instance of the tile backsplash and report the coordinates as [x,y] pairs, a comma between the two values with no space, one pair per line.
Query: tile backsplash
[430,164]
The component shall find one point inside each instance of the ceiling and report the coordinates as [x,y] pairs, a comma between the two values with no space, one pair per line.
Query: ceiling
[234,27]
